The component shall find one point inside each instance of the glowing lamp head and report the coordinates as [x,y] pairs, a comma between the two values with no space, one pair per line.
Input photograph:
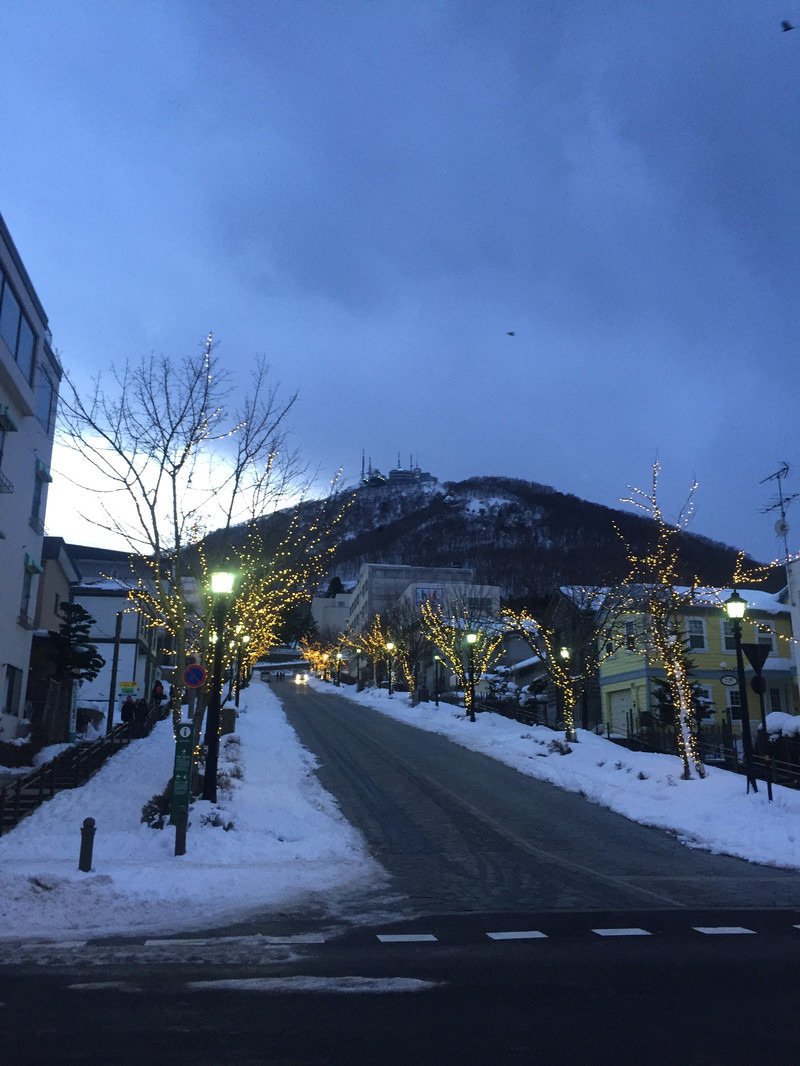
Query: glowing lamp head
[221,583]
[735,606]
[471,638]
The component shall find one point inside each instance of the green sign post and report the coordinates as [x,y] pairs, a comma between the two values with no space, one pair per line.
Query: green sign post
[182,773]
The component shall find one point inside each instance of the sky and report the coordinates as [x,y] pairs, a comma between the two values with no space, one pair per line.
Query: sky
[288,839]
[373,194]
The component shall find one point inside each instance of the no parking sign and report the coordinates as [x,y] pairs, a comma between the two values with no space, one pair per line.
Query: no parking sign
[194,676]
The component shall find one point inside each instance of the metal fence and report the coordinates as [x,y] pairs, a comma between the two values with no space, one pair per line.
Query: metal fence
[70,769]
[778,760]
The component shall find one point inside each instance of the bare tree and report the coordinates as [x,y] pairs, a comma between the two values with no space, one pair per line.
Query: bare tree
[171,459]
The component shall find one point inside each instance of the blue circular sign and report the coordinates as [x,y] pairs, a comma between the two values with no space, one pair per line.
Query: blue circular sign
[194,676]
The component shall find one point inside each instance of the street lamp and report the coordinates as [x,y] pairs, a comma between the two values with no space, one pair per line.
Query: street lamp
[338,667]
[437,661]
[735,607]
[390,649]
[242,639]
[471,638]
[221,588]
[357,652]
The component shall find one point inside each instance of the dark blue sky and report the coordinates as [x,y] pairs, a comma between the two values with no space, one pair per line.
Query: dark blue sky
[372,193]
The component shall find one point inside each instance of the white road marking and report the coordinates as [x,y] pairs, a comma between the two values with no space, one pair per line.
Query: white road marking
[356,985]
[521,934]
[723,930]
[622,932]
[406,938]
[102,986]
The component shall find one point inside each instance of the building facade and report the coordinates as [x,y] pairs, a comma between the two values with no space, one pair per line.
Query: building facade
[30,375]
[629,674]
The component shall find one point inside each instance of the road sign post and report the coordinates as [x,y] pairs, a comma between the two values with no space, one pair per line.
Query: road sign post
[182,771]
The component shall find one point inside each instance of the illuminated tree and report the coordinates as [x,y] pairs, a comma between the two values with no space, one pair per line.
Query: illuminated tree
[656,594]
[170,459]
[403,623]
[467,638]
[373,641]
[569,649]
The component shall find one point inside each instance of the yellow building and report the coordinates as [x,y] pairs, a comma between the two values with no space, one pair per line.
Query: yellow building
[631,666]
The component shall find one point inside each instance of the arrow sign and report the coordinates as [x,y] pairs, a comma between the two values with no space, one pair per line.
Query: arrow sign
[194,676]
[756,655]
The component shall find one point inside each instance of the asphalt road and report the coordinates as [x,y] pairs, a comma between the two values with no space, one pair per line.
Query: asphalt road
[520,925]
[460,832]
[575,999]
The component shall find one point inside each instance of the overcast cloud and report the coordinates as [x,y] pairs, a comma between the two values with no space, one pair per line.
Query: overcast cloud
[373,194]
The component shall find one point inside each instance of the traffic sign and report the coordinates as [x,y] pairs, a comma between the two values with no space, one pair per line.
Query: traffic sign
[194,676]
[182,772]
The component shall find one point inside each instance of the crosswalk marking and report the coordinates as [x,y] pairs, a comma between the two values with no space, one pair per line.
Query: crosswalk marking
[633,931]
[406,938]
[722,930]
[519,934]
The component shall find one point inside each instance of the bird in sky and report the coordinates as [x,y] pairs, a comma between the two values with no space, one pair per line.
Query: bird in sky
[786,26]
[512,334]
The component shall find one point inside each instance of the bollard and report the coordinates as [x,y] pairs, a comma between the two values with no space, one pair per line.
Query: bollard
[87,843]
[181,822]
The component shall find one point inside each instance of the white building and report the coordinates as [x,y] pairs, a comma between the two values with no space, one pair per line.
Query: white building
[29,380]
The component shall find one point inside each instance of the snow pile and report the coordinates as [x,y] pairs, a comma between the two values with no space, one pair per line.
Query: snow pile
[287,838]
[715,814]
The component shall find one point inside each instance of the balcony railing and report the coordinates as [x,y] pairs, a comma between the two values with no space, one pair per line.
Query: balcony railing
[5,484]
[36,524]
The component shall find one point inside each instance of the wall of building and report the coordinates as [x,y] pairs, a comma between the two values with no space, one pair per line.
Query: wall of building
[29,379]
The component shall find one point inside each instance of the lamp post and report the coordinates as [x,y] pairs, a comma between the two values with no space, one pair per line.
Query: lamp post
[471,638]
[221,588]
[566,655]
[437,661]
[735,607]
[357,653]
[390,649]
[242,639]
[338,667]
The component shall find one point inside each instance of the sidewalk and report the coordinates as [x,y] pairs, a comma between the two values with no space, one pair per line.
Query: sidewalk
[286,838]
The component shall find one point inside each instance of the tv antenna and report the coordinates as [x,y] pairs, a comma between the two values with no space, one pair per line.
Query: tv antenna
[781,526]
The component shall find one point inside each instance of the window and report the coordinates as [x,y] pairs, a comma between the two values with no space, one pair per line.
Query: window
[36,522]
[9,318]
[696,634]
[26,346]
[630,635]
[27,585]
[705,702]
[11,690]
[15,329]
[765,634]
[775,703]
[734,701]
[728,639]
[44,400]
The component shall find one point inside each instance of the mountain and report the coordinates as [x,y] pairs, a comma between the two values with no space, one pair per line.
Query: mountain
[525,537]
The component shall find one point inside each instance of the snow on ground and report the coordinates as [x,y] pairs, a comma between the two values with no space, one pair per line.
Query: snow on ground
[715,814]
[288,839]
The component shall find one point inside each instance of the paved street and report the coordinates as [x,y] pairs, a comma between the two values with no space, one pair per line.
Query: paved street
[519,924]
[461,832]
[573,998]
